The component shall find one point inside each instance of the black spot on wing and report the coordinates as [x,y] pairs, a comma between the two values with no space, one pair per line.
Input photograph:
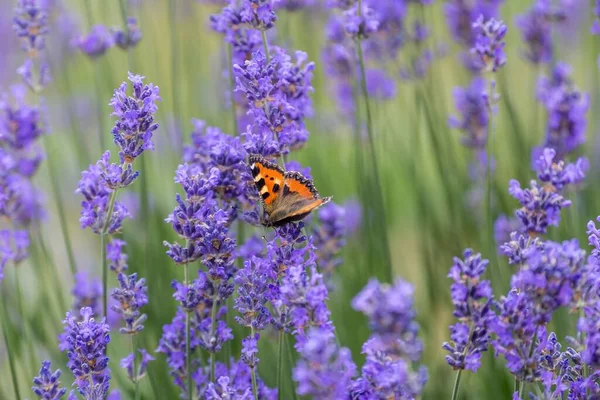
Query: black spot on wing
[254,170]
[276,188]
[265,195]
[286,189]
[261,182]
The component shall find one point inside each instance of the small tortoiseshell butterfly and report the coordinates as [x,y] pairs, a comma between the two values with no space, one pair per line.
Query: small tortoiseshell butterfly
[286,196]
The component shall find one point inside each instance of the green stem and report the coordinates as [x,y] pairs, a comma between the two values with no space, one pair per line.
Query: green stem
[291,360]
[265,45]
[456,385]
[188,352]
[379,192]
[280,364]
[11,359]
[490,155]
[174,59]
[135,377]
[213,326]
[253,373]
[98,84]
[103,234]
[234,120]
[123,8]
[531,348]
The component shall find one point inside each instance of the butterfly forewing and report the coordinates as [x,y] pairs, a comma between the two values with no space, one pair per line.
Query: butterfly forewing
[268,178]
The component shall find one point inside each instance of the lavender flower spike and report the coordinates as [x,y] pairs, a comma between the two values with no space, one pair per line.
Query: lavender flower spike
[85,342]
[47,384]
[489,44]
[131,296]
[472,299]
[96,43]
[135,117]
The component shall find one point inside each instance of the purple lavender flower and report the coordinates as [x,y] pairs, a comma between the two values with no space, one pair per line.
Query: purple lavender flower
[235,381]
[473,301]
[566,108]
[304,294]
[47,383]
[131,296]
[472,104]
[135,117]
[258,14]
[14,247]
[211,148]
[554,172]
[95,206]
[391,317]
[540,207]
[515,330]
[596,25]
[295,5]
[324,370]
[96,42]
[461,14]
[329,237]
[277,92]
[87,292]
[127,363]
[536,30]
[360,24]
[129,38]
[541,204]
[20,127]
[117,258]
[85,342]
[394,342]
[172,344]
[253,293]
[547,277]
[229,22]
[250,350]
[224,390]
[489,43]
[30,23]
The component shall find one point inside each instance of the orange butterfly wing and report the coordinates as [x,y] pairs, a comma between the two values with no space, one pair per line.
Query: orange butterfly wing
[303,187]
[268,178]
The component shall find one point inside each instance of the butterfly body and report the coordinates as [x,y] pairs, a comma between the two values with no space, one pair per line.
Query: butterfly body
[286,196]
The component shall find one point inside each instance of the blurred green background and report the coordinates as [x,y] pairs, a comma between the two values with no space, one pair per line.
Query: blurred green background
[423,170]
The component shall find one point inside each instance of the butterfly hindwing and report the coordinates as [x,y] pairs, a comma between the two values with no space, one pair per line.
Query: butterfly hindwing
[268,178]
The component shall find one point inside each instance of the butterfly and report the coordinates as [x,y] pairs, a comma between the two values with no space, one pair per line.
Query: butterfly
[286,196]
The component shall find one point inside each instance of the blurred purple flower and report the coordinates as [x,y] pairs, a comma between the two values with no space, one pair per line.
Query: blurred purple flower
[47,383]
[131,296]
[393,345]
[461,14]
[472,104]
[258,14]
[135,123]
[85,342]
[536,29]
[324,370]
[30,23]
[87,292]
[566,108]
[116,257]
[128,362]
[129,38]
[473,301]
[96,42]
[489,43]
